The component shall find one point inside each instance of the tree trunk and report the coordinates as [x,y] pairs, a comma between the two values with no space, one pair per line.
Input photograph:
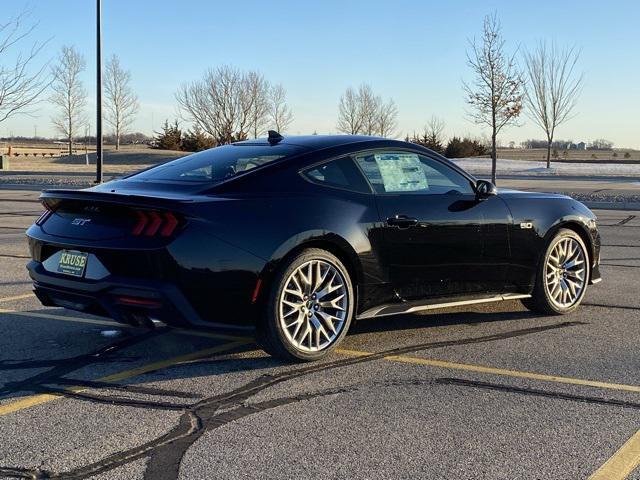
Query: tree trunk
[494,155]
[117,140]
[70,138]
[548,152]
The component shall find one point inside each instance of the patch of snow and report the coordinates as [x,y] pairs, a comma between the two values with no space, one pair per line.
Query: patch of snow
[482,166]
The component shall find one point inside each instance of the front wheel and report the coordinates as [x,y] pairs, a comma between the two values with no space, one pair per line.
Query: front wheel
[309,308]
[562,275]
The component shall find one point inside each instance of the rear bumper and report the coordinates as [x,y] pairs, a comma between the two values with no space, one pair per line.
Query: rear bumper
[126,300]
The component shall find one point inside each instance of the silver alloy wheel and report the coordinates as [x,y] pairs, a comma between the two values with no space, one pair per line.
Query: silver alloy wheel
[565,272]
[313,305]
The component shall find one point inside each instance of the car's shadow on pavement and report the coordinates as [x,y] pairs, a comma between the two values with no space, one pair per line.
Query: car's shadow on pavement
[437,319]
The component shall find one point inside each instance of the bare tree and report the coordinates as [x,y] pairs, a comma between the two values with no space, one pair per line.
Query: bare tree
[349,118]
[122,103]
[223,103]
[280,113]
[434,129]
[69,94]
[20,85]
[259,90]
[553,87]
[600,144]
[495,96]
[387,119]
[364,112]
[245,102]
[369,109]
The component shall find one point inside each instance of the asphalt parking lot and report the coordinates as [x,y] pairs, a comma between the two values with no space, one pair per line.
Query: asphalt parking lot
[483,392]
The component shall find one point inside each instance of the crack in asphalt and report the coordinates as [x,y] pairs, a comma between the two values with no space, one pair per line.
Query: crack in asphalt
[603,305]
[619,259]
[129,388]
[618,265]
[536,392]
[166,452]
[118,401]
[626,220]
[616,245]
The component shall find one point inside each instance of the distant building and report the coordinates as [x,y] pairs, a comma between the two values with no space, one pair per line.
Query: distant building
[581,146]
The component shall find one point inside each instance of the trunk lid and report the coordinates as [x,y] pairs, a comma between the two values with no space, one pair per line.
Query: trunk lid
[96,214]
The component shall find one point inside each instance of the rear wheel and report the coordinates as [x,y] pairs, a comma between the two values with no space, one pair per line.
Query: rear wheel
[562,275]
[309,307]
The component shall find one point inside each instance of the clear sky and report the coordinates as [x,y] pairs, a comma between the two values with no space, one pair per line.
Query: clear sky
[412,51]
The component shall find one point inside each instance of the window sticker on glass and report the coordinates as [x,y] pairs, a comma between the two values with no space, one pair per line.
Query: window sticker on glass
[401,172]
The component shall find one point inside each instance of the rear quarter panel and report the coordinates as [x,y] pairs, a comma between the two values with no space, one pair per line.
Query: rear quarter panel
[270,225]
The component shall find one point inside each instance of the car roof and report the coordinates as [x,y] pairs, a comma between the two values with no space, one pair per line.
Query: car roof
[315,142]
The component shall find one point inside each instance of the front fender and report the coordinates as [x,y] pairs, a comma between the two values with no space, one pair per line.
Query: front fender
[536,218]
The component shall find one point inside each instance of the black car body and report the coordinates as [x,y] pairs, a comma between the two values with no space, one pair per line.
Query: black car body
[203,248]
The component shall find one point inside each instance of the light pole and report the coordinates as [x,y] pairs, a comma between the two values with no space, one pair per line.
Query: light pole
[98,92]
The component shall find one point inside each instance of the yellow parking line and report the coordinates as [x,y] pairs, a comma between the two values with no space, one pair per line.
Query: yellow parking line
[618,467]
[28,402]
[33,400]
[16,297]
[622,463]
[500,371]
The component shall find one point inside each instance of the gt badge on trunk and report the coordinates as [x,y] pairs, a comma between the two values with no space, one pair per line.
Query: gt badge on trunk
[72,263]
[80,222]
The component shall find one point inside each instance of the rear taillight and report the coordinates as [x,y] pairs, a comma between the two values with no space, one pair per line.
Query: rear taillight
[151,223]
[138,301]
[44,215]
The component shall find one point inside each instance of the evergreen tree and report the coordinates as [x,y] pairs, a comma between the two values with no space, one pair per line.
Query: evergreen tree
[428,140]
[170,138]
[457,148]
[196,140]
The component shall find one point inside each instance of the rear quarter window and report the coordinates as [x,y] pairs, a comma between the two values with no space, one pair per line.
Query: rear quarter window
[341,173]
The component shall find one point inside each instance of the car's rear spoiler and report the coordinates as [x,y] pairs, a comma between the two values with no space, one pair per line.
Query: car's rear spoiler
[51,197]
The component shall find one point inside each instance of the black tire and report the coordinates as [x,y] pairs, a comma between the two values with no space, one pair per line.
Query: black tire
[270,334]
[541,300]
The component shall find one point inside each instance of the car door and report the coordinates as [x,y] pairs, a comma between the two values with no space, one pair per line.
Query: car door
[433,225]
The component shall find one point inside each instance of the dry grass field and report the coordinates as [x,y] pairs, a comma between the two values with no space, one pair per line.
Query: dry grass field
[129,158]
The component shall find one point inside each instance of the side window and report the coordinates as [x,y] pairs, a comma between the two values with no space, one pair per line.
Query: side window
[341,173]
[408,172]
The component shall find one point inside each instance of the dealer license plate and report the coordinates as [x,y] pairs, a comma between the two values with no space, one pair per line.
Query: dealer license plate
[72,263]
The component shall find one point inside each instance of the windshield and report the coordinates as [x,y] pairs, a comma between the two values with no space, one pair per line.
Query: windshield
[218,164]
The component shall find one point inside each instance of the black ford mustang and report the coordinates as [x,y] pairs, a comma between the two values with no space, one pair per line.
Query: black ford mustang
[298,236]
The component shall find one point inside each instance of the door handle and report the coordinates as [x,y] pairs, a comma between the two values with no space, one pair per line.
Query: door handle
[402,221]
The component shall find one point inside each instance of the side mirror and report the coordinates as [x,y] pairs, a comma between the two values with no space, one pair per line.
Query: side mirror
[484,189]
